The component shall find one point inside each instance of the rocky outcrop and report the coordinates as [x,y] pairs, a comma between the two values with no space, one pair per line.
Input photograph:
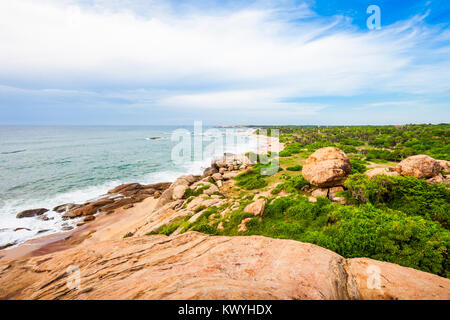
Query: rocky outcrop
[420,166]
[198,266]
[31,213]
[382,171]
[326,167]
[123,195]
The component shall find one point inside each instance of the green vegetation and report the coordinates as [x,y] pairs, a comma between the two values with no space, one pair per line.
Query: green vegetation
[252,178]
[402,220]
[295,168]
[415,197]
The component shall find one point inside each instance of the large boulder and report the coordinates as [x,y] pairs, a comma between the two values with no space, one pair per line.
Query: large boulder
[327,167]
[420,166]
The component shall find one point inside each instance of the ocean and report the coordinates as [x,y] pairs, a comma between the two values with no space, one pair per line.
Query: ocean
[42,167]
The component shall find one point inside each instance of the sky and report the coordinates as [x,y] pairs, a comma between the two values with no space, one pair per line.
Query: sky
[150,62]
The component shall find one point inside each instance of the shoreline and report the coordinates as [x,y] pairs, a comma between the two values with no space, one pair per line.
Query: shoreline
[61,240]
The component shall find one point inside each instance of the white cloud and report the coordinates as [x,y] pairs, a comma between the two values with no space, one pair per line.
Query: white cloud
[249,58]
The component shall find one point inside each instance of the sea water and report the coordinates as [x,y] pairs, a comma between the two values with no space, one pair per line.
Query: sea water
[42,167]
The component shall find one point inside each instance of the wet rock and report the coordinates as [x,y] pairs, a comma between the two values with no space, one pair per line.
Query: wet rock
[65,207]
[10,244]
[31,213]
[89,218]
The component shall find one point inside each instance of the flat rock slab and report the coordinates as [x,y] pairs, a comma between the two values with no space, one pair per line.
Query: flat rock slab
[199,266]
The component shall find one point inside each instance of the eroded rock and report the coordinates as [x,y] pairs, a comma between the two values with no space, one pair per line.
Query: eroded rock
[326,167]
[420,166]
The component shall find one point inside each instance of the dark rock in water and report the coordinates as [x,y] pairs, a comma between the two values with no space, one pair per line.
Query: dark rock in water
[67,228]
[31,213]
[65,207]
[44,218]
[7,245]
[42,231]
[18,229]
[89,218]
[153,138]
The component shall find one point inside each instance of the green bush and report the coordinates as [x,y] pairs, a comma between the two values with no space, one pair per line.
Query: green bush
[410,195]
[295,168]
[363,231]
[358,166]
[292,185]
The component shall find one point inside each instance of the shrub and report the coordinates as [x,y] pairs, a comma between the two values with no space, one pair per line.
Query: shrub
[410,195]
[295,168]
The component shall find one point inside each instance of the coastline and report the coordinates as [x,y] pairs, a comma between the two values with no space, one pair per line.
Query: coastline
[119,248]
[63,240]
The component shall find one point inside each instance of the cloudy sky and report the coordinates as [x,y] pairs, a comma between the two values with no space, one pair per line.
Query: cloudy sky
[237,62]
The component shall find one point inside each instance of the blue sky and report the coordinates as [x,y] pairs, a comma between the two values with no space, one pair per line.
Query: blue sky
[149,62]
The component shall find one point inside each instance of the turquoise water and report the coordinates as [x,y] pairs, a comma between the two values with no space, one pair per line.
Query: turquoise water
[48,166]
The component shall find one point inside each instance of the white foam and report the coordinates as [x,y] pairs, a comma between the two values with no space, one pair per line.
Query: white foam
[8,211]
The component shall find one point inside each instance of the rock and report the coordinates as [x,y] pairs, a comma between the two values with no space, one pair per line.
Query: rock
[217,176]
[219,183]
[10,244]
[326,167]
[332,192]
[220,226]
[178,192]
[157,194]
[229,175]
[165,198]
[222,170]
[44,218]
[381,171]
[198,266]
[256,208]
[445,165]
[213,189]
[126,188]
[128,206]
[65,207]
[312,199]
[89,218]
[31,213]
[191,178]
[440,179]
[420,166]
[209,172]
[242,227]
[320,192]
[18,229]
[88,209]
[340,200]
